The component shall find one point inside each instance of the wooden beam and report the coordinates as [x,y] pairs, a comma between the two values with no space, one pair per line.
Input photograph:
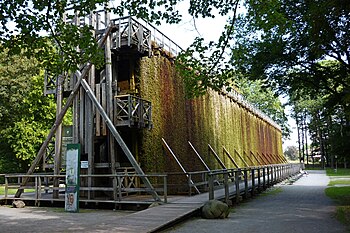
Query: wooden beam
[199,156]
[236,152]
[251,161]
[230,157]
[210,149]
[256,159]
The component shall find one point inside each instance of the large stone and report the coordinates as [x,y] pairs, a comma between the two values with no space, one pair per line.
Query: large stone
[18,204]
[215,209]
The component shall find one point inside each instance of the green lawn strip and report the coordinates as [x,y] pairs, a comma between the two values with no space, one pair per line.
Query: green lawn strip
[339,182]
[338,172]
[341,195]
[271,191]
[13,191]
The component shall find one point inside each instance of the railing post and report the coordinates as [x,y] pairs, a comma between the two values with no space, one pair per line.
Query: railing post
[272,176]
[227,191]
[190,183]
[253,181]
[46,184]
[245,183]
[238,194]
[211,186]
[259,181]
[268,176]
[276,174]
[6,187]
[119,188]
[264,178]
[165,181]
[281,174]
[38,188]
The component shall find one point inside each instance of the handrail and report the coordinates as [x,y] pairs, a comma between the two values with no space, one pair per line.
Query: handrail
[38,187]
[255,179]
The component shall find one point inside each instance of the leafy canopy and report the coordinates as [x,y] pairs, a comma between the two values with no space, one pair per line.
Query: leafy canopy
[25,114]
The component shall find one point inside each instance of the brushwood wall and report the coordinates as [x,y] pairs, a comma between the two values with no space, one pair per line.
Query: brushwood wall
[213,118]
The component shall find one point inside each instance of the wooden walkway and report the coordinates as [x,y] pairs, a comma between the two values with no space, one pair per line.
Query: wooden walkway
[165,215]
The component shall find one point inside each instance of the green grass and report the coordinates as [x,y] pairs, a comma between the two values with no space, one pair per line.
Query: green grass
[341,195]
[271,191]
[339,182]
[313,168]
[10,191]
[340,172]
[13,191]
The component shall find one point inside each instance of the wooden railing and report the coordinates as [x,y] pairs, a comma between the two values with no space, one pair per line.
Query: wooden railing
[40,187]
[236,183]
[132,111]
[254,180]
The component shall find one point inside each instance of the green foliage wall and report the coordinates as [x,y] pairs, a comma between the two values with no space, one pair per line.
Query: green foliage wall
[213,118]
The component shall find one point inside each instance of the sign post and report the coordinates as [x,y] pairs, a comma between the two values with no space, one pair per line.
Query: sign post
[72,178]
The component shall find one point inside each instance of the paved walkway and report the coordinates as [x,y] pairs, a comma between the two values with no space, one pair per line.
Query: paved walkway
[301,207]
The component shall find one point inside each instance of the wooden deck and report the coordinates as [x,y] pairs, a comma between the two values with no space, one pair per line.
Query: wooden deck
[162,216]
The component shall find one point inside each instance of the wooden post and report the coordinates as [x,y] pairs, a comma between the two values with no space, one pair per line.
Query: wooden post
[76,98]
[264,178]
[58,136]
[226,186]
[211,186]
[245,183]
[259,180]
[119,188]
[238,194]
[109,92]
[90,119]
[272,176]
[6,187]
[268,175]
[253,181]
[165,189]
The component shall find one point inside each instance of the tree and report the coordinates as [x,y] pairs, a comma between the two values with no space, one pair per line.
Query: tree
[287,44]
[25,114]
[264,99]
[291,152]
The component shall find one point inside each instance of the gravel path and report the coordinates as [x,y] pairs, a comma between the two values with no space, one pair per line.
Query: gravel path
[301,207]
